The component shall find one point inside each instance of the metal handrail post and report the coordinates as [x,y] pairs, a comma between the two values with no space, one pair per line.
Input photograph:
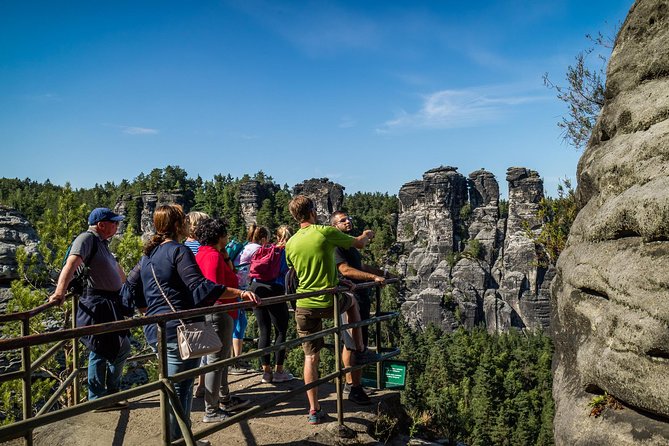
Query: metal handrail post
[337,353]
[163,375]
[379,365]
[27,381]
[76,387]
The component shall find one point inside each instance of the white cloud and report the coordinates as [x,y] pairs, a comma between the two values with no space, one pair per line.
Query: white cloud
[460,108]
[138,130]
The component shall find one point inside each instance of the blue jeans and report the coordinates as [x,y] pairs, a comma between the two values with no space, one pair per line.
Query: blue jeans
[104,376]
[184,389]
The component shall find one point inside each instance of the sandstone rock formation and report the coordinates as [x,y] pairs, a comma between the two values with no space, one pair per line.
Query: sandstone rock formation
[15,232]
[610,312]
[138,210]
[464,264]
[328,196]
[252,193]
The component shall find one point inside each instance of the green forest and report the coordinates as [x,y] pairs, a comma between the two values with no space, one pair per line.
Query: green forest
[465,386]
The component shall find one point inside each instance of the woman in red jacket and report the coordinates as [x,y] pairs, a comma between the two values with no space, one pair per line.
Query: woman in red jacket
[217,267]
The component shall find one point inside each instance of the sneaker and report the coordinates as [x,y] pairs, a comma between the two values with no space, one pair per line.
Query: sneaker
[123,404]
[243,364]
[266,378]
[365,357]
[348,386]
[358,396]
[316,416]
[238,369]
[215,417]
[282,377]
[234,403]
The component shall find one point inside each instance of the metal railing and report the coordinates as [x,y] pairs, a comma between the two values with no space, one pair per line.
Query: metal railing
[168,398]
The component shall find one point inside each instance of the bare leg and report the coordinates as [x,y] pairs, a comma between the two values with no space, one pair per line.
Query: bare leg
[311,375]
[355,376]
[237,346]
[353,315]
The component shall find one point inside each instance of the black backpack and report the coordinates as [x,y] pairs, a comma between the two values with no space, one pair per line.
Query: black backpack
[291,284]
[79,281]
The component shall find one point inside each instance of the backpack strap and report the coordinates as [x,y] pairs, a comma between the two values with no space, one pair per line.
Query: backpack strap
[94,250]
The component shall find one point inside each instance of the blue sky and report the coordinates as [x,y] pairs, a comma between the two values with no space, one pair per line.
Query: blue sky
[369,94]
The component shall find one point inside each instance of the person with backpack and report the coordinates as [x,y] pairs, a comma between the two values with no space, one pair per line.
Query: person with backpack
[266,273]
[311,253]
[99,302]
[255,237]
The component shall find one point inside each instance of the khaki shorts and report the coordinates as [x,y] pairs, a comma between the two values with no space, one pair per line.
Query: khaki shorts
[310,321]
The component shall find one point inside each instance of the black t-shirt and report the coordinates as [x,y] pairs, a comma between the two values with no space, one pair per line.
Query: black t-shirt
[351,256]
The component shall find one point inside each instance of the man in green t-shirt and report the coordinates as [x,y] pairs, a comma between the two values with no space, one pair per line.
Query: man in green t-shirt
[311,253]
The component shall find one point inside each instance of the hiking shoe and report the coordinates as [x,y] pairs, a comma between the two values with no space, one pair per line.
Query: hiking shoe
[316,416]
[123,404]
[358,396]
[365,357]
[282,377]
[266,378]
[347,389]
[234,403]
[244,364]
[238,369]
[215,417]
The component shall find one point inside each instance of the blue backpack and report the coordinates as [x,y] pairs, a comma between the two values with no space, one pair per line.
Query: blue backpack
[234,248]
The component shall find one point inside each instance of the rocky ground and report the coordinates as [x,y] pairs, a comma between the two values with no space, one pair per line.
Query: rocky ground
[286,424]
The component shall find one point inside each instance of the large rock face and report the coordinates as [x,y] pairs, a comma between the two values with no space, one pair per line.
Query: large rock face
[327,196]
[252,193]
[464,265]
[15,232]
[611,312]
[139,210]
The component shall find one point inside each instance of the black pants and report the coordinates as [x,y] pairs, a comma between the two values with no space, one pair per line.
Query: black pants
[272,315]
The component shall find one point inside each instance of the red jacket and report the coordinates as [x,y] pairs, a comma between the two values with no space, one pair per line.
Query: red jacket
[214,268]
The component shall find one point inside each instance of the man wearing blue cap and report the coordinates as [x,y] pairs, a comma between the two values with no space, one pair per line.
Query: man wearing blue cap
[99,302]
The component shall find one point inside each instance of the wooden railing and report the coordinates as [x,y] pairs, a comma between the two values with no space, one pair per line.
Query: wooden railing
[24,428]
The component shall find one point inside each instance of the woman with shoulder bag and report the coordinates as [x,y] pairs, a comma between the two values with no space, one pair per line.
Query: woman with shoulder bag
[168,277]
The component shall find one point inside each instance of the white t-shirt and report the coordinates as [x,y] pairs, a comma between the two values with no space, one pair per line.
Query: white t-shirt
[247,253]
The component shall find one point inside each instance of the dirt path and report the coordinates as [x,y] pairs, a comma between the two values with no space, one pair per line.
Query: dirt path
[285,424]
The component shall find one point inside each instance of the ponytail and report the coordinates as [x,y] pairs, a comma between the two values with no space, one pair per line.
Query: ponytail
[170,223]
[155,241]
[252,229]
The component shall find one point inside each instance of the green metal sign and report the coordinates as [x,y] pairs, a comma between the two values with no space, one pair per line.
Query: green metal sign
[393,375]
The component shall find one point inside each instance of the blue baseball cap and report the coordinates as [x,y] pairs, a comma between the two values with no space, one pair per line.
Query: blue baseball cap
[103,214]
